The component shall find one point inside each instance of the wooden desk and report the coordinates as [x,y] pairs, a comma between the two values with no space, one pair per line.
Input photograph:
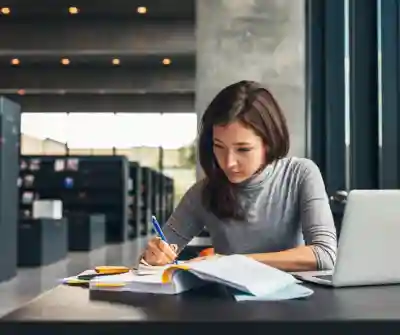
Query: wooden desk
[208,305]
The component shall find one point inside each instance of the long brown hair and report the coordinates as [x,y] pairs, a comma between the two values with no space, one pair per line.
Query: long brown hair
[255,107]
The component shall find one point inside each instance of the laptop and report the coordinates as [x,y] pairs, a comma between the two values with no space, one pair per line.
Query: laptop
[368,252]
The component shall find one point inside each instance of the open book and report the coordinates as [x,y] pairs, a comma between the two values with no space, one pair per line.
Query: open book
[245,276]
[144,269]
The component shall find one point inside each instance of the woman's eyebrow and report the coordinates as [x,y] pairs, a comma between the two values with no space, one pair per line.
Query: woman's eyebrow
[236,143]
[242,143]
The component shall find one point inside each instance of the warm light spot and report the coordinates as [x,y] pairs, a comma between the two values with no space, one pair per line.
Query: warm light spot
[21,92]
[5,11]
[73,10]
[116,61]
[166,61]
[15,61]
[142,10]
[65,61]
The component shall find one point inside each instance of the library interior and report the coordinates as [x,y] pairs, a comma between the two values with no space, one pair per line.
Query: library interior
[100,114]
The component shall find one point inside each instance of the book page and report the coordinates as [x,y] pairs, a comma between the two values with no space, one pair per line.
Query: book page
[144,269]
[243,273]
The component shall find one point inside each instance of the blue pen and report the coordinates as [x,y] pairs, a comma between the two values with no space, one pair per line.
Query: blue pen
[159,231]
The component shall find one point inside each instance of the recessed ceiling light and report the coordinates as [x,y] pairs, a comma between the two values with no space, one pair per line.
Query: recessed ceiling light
[15,61]
[142,10]
[116,61]
[65,61]
[73,10]
[166,61]
[5,10]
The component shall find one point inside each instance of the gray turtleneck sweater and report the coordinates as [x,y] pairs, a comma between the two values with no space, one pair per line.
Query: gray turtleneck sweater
[286,205]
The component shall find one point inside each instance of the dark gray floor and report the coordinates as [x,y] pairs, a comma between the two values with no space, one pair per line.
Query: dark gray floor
[31,282]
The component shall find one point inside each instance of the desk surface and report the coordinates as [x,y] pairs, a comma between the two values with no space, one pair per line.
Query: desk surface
[73,304]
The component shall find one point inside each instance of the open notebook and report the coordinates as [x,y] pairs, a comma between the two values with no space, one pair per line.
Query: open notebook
[246,277]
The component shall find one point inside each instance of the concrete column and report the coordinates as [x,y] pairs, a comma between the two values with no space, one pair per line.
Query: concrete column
[262,40]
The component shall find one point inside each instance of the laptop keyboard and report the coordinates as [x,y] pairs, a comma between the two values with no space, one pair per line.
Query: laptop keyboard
[325,277]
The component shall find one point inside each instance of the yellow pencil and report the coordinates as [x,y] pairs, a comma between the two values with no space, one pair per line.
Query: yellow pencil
[75,281]
[111,269]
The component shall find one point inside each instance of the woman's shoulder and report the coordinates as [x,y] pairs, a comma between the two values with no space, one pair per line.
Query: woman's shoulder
[300,167]
[301,163]
[194,192]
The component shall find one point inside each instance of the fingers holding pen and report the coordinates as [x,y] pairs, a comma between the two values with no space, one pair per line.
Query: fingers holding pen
[159,252]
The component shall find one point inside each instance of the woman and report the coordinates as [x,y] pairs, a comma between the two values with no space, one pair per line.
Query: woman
[254,200]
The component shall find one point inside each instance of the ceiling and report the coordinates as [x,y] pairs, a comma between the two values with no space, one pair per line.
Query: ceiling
[152,48]
[157,9]
[49,60]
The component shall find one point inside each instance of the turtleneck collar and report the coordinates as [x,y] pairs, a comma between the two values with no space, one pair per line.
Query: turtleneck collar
[258,179]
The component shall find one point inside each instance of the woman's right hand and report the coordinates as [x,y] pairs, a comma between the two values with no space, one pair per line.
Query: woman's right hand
[159,253]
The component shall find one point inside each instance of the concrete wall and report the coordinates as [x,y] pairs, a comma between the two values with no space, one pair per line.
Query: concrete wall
[260,40]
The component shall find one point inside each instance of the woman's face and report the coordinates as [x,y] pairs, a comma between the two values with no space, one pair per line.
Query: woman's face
[239,151]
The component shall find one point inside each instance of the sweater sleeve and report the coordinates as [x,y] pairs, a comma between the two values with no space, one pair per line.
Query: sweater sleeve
[185,223]
[316,216]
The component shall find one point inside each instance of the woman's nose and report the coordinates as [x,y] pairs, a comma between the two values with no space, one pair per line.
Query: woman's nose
[230,160]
